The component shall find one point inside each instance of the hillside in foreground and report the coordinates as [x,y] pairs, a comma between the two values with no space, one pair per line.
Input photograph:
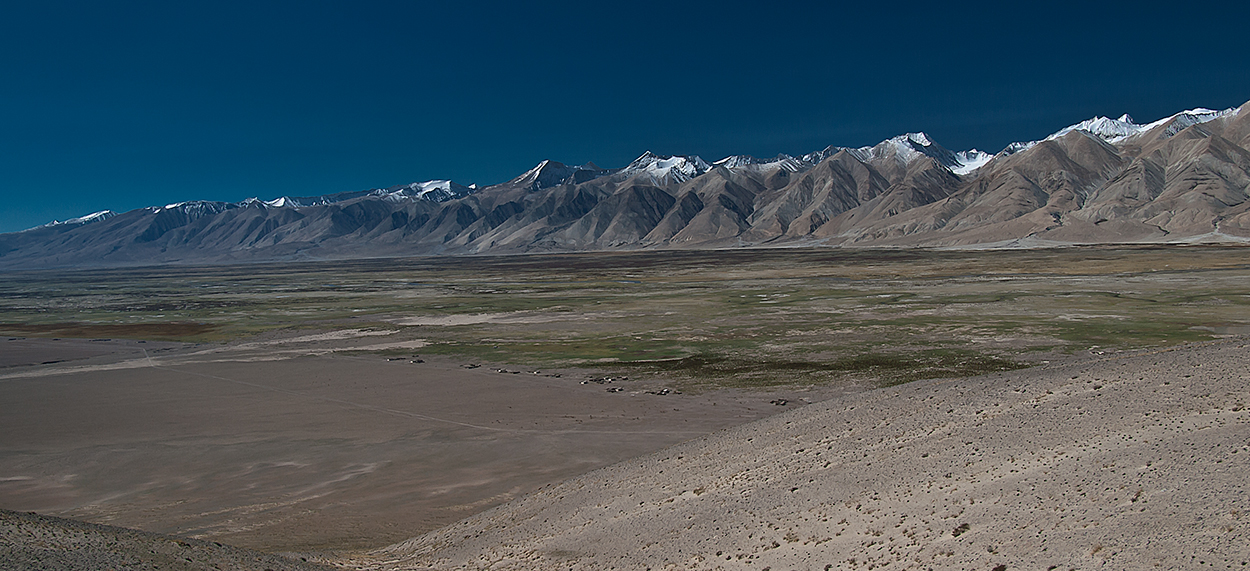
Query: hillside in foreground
[1124,461]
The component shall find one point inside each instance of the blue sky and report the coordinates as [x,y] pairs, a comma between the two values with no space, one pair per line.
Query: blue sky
[120,105]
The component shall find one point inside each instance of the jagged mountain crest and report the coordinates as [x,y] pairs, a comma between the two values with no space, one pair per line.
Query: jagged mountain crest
[1116,130]
[783,161]
[1182,178]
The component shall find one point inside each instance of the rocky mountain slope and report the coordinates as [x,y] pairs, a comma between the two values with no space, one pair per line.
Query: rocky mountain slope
[1184,178]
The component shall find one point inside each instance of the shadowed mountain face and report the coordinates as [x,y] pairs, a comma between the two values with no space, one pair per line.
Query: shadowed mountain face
[1181,179]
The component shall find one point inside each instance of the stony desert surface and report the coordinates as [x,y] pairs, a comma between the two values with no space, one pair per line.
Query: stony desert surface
[1132,460]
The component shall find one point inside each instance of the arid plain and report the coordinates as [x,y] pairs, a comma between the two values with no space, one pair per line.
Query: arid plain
[333,408]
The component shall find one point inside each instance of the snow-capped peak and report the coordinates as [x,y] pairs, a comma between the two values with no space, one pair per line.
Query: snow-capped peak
[677,168]
[1116,130]
[904,148]
[433,190]
[423,188]
[919,138]
[550,173]
[1110,130]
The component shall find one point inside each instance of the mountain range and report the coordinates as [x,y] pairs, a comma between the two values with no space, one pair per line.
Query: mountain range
[1181,179]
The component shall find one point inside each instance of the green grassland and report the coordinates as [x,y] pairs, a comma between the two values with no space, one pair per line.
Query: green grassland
[713,318]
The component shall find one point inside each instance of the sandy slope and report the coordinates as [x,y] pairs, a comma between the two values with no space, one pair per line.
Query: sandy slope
[1125,462]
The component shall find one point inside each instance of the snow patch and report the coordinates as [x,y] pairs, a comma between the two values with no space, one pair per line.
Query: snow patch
[93,217]
[781,161]
[1018,147]
[736,161]
[904,149]
[432,190]
[969,161]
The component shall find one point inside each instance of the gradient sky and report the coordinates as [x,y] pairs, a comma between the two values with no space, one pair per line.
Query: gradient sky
[121,105]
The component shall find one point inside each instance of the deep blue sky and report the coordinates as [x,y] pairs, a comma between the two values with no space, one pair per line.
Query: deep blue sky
[120,105]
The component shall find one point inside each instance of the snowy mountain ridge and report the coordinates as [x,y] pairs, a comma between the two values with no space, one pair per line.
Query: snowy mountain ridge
[1180,180]
[661,170]
[93,217]
[1116,130]
[667,168]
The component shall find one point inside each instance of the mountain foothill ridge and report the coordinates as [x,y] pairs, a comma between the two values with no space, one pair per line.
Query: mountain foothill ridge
[1182,179]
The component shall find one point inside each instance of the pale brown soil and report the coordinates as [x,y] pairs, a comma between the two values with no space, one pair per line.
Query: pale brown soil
[286,442]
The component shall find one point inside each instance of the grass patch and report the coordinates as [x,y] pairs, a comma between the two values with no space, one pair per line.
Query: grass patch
[746,318]
[882,369]
[1128,333]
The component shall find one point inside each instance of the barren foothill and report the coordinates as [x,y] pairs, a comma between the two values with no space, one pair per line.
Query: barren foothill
[1130,461]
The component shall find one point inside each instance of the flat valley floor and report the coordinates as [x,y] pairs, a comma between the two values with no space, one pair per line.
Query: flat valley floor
[332,409]
[287,446]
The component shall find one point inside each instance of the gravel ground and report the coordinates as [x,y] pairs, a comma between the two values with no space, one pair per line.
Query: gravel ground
[1128,461]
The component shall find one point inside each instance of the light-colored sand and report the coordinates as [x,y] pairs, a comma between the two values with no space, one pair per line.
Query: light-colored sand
[1126,462]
